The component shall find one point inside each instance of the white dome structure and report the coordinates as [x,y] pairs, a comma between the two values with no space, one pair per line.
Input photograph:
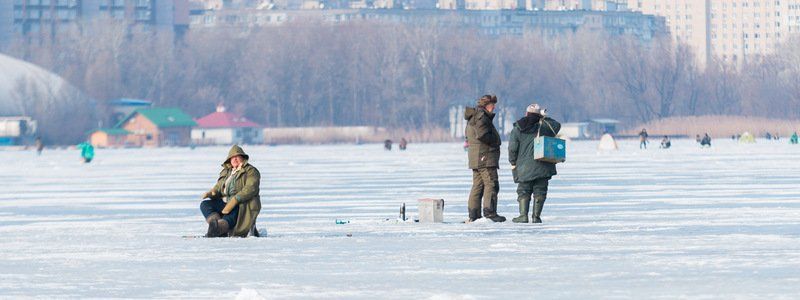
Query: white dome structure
[37,81]
[61,111]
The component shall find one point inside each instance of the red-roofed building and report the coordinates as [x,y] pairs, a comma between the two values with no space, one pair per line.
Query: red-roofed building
[225,128]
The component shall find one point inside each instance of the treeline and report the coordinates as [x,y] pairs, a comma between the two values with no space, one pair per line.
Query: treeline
[406,77]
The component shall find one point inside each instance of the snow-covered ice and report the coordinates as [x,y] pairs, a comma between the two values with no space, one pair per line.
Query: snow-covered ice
[686,222]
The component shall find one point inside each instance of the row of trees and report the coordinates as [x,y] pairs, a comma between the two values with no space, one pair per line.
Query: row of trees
[406,77]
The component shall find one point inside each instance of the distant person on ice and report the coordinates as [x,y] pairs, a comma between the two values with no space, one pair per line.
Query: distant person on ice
[532,176]
[39,145]
[403,144]
[706,141]
[484,159]
[643,139]
[666,143]
[234,202]
[387,145]
[87,151]
[793,139]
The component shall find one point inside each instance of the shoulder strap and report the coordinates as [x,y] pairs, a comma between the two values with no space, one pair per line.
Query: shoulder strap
[542,121]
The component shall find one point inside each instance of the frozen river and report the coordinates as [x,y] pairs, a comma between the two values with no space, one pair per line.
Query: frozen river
[686,222]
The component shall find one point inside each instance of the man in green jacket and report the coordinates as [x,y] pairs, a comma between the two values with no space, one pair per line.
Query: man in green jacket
[484,157]
[532,176]
[234,202]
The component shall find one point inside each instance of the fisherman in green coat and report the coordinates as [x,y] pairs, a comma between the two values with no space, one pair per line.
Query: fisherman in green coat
[532,176]
[484,157]
[234,202]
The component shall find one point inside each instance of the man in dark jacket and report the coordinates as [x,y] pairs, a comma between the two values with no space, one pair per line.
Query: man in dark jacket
[532,176]
[484,157]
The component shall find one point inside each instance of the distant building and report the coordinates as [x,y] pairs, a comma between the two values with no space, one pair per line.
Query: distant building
[575,131]
[591,129]
[157,127]
[121,108]
[730,31]
[17,130]
[46,18]
[598,127]
[109,138]
[225,128]
[490,22]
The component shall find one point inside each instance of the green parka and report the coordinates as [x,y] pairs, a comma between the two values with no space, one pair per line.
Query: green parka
[520,148]
[483,138]
[245,191]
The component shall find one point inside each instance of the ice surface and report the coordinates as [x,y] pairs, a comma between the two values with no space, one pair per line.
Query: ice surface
[686,222]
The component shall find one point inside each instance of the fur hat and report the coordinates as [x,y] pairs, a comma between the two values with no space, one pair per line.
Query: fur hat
[486,100]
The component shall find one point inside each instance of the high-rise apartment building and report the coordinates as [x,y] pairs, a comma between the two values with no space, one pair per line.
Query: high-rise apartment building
[48,17]
[729,30]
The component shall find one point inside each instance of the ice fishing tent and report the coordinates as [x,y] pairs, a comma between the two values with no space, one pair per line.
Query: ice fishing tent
[747,138]
[607,143]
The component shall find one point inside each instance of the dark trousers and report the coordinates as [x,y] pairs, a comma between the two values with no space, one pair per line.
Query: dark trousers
[208,207]
[536,187]
[484,186]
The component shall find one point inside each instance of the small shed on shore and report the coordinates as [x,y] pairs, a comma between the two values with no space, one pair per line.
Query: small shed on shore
[158,127]
[109,137]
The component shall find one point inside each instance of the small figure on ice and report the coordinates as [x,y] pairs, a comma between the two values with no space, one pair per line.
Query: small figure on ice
[793,139]
[387,145]
[643,139]
[403,144]
[666,143]
[87,151]
[39,145]
[706,141]
[234,202]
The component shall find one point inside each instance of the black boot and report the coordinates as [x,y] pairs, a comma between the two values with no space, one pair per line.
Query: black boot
[212,229]
[474,214]
[218,229]
[213,217]
[492,215]
[538,205]
[222,228]
[497,218]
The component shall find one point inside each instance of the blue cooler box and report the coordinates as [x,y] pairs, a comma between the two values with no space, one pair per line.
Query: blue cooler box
[549,149]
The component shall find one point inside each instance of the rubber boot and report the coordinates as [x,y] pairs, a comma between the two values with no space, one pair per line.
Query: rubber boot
[524,206]
[538,205]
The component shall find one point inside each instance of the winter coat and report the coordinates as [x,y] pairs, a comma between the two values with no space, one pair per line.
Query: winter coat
[483,138]
[87,150]
[245,190]
[520,148]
